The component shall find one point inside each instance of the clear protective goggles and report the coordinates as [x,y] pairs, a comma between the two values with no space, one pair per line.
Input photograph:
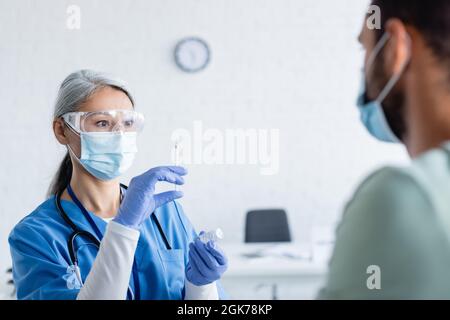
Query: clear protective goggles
[105,121]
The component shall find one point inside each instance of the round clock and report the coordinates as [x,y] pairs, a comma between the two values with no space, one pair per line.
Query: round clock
[192,54]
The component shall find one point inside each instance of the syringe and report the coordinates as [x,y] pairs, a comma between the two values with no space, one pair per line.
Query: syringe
[214,235]
[176,158]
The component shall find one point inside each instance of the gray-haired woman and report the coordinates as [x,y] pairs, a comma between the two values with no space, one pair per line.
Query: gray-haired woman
[94,238]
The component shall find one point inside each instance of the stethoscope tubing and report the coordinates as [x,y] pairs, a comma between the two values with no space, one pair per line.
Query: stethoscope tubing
[83,233]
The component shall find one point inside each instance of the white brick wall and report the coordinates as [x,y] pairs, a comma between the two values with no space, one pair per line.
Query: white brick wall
[287,64]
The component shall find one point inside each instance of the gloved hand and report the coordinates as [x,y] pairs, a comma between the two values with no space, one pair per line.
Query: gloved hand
[140,201]
[207,263]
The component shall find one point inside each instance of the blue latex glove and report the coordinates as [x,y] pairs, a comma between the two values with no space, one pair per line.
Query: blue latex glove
[207,263]
[140,201]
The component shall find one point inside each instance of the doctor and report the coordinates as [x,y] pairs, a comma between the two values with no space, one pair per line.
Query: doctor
[93,238]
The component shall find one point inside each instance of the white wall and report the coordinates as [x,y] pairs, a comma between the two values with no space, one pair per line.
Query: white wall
[287,64]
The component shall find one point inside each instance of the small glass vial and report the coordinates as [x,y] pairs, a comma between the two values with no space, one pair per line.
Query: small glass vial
[214,235]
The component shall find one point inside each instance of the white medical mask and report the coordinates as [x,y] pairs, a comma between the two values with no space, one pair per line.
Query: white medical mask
[107,155]
[372,113]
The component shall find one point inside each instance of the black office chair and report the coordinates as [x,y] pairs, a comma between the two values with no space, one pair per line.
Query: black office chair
[267,226]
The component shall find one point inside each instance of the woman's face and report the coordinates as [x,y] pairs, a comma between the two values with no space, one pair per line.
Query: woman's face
[104,99]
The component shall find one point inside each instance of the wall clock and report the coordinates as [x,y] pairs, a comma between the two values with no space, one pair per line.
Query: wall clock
[192,54]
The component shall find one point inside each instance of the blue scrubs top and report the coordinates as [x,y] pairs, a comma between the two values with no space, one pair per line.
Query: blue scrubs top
[40,253]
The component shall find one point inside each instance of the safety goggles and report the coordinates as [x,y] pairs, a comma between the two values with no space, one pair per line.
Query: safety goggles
[105,121]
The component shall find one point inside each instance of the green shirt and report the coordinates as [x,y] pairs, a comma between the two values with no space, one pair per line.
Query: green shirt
[398,220]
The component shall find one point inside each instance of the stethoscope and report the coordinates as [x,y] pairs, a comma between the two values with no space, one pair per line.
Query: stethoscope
[77,232]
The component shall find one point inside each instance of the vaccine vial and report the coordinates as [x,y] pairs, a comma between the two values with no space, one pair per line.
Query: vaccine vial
[214,235]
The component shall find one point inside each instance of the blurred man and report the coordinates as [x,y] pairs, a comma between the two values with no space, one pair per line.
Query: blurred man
[394,239]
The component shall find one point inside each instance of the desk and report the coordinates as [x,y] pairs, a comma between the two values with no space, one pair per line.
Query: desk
[286,271]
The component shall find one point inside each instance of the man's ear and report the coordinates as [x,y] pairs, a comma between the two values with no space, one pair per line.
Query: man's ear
[59,129]
[398,48]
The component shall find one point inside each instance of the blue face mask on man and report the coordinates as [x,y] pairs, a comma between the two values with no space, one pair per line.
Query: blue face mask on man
[372,113]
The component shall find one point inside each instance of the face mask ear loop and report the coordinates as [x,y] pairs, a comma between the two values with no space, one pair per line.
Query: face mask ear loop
[67,145]
[376,51]
[396,77]
[73,153]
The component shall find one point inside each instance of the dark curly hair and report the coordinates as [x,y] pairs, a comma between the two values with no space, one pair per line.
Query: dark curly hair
[431,18]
